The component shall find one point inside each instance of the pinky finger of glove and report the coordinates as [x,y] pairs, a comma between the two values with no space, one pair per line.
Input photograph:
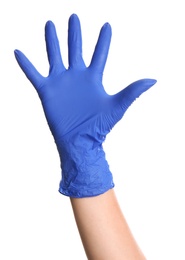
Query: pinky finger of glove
[30,71]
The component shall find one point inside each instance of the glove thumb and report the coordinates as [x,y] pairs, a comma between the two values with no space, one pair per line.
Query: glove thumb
[129,94]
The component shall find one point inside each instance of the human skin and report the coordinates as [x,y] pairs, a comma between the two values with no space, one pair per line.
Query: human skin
[104,231]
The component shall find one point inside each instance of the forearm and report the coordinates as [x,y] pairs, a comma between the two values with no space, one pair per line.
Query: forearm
[104,238]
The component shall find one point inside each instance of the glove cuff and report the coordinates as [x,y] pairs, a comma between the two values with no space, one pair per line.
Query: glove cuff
[85,171]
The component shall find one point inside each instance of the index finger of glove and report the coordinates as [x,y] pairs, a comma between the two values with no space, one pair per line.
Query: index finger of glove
[30,71]
[102,48]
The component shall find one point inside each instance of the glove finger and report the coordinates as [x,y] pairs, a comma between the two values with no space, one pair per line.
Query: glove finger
[53,48]
[102,48]
[75,43]
[127,96]
[30,71]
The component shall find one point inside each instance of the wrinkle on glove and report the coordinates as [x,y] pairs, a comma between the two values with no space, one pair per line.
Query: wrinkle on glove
[78,110]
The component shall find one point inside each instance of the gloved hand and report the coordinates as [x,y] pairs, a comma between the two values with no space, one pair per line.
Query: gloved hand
[78,110]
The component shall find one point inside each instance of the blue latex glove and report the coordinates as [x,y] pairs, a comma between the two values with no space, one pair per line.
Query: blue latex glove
[78,110]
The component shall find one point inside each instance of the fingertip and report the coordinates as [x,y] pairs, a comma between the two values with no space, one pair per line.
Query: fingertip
[48,24]
[73,17]
[151,82]
[106,32]
[17,53]
[107,28]
[107,25]
[146,82]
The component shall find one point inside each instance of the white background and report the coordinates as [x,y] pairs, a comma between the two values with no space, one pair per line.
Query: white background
[145,150]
